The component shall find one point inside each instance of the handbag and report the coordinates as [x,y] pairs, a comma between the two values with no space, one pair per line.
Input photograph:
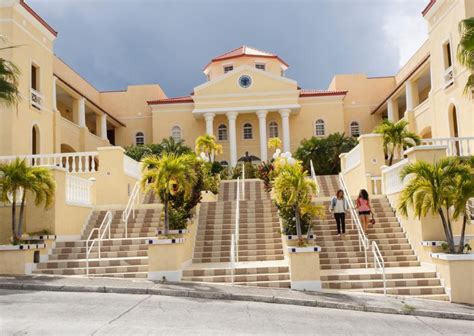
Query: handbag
[372,221]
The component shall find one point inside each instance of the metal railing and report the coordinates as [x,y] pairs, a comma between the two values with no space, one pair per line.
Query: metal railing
[379,263]
[313,177]
[101,230]
[133,201]
[363,240]
[234,244]
[448,76]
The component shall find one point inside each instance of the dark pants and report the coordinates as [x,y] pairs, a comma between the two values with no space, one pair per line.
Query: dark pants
[341,222]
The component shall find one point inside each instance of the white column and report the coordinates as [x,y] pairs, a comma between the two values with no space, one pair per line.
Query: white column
[411,90]
[81,112]
[262,122]
[209,123]
[55,102]
[392,109]
[285,121]
[231,117]
[103,126]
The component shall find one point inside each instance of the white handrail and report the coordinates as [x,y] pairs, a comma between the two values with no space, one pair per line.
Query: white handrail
[363,240]
[313,177]
[133,201]
[243,181]
[101,230]
[232,258]
[379,263]
[237,222]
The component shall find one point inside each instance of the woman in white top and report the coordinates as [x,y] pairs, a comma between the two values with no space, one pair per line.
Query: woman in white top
[339,207]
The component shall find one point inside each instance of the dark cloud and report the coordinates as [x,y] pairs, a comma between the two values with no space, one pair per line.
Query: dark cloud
[117,43]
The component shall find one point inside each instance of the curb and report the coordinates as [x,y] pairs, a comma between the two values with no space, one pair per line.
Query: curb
[235,297]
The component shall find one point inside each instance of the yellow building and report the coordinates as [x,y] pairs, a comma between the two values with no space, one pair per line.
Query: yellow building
[245,100]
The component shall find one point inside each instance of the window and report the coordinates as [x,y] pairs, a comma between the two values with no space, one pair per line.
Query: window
[354,129]
[228,68]
[273,129]
[176,133]
[260,66]
[222,132]
[139,138]
[248,132]
[35,77]
[319,127]
[447,55]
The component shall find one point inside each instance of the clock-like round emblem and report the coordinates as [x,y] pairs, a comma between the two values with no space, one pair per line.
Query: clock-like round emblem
[245,81]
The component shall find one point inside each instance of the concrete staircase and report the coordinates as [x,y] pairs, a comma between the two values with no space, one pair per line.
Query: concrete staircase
[261,258]
[328,185]
[343,265]
[120,257]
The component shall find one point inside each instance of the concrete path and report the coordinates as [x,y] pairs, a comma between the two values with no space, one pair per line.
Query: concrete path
[347,300]
[64,313]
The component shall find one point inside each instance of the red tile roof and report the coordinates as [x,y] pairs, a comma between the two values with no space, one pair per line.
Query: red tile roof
[428,7]
[39,18]
[245,51]
[321,93]
[173,100]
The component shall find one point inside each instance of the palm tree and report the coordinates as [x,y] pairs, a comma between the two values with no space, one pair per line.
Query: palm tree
[207,144]
[465,53]
[9,74]
[294,189]
[396,137]
[463,192]
[168,175]
[171,146]
[17,178]
[437,188]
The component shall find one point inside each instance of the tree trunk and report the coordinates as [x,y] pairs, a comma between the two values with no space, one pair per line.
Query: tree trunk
[22,215]
[298,224]
[167,226]
[14,237]
[446,231]
[390,157]
[463,232]
[450,230]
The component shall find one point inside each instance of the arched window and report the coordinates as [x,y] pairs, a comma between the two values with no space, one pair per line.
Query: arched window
[35,140]
[354,129]
[319,128]
[273,129]
[248,131]
[139,138]
[176,133]
[222,132]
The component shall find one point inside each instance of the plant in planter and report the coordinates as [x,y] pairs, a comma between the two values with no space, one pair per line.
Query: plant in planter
[168,176]
[265,172]
[293,195]
[442,188]
[17,179]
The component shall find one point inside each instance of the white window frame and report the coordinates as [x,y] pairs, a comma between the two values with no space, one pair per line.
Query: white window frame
[261,64]
[243,130]
[270,135]
[137,135]
[316,127]
[180,132]
[351,127]
[226,133]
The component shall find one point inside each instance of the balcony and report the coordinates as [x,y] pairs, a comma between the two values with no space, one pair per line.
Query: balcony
[448,77]
[36,99]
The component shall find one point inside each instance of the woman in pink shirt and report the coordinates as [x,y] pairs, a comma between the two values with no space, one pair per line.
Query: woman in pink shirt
[363,206]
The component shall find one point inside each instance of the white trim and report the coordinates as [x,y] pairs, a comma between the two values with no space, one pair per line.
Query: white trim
[242,69]
[315,132]
[66,238]
[453,257]
[214,102]
[308,249]
[423,147]
[226,132]
[168,275]
[169,241]
[247,109]
[314,285]
[277,129]
[22,247]
[249,94]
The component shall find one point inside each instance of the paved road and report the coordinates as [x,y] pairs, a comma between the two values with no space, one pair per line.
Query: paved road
[60,313]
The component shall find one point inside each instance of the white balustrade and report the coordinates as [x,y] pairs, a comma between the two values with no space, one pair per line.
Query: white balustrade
[392,183]
[448,76]
[352,158]
[36,99]
[78,190]
[79,162]
[460,146]
[131,167]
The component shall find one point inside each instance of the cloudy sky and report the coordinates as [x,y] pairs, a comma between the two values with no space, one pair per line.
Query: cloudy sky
[115,43]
